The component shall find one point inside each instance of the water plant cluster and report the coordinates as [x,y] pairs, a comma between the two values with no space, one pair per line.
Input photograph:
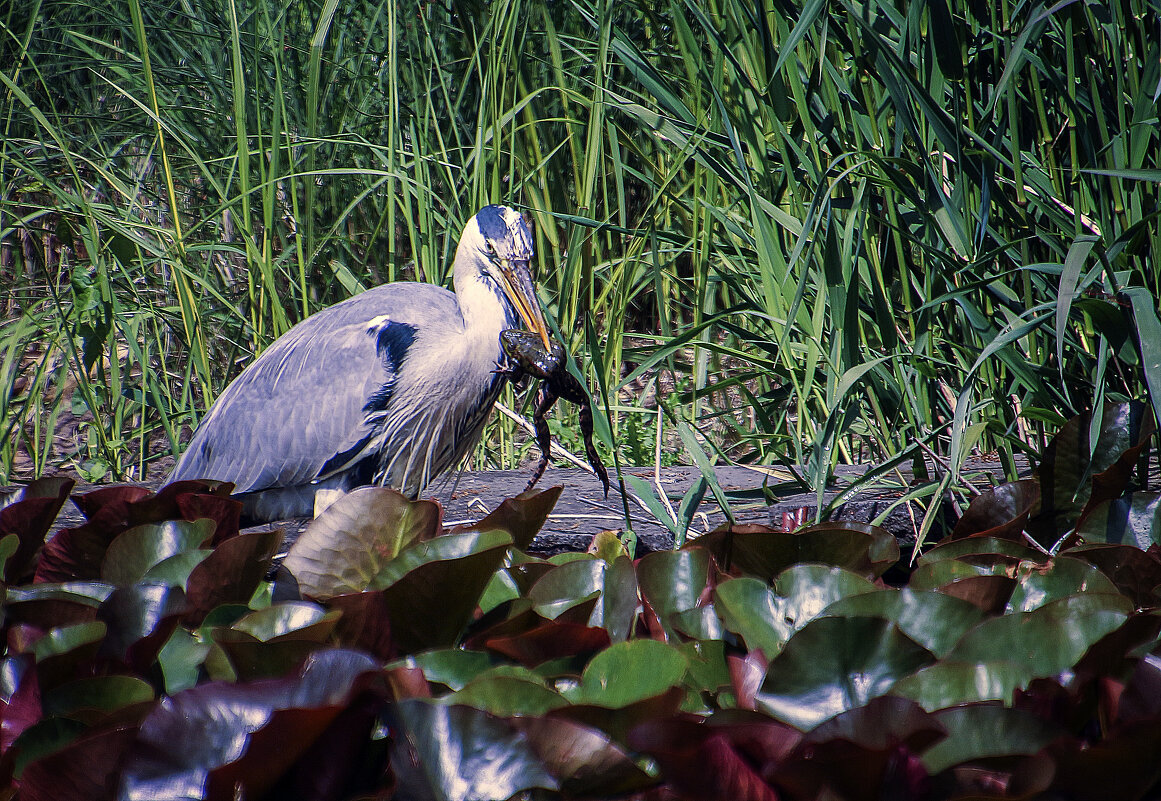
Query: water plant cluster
[147,658]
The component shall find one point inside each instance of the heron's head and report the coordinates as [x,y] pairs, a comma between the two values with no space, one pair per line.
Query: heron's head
[496,245]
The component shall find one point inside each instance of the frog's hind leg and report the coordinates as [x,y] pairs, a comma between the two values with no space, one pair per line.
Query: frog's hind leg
[545,399]
[586,424]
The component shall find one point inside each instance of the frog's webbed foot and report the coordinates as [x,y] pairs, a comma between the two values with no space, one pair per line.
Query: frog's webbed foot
[544,401]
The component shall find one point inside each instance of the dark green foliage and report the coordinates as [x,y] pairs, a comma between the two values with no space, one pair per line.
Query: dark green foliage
[1020,661]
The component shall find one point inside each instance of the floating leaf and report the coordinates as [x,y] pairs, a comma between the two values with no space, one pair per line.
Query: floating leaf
[763,552]
[347,546]
[673,581]
[87,768]
[934,620]
[507,696]
[447,574]
[364,622]
[1041,583]
[984,550]
[132,553]
[28,514]
[949,684]
[583,759]
[139,619]
[766,618]
[628,672]
[1000,512]
[456,753]
[1048,639]
[981,731]
[717,761]
[1132,519]
[211,739]
[836,664]
[521,517]
[230,574]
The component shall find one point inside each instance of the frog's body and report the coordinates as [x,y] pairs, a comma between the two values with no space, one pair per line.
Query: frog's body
[524,355]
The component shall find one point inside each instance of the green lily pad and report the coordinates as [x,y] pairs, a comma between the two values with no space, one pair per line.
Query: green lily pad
[1040,583]
[288,620]
[981,731]
[102,693]
[451,667]
[767,618]
[673,581]
[507,696]
[948,684]
[1132,519]
[934,620]
[1048,639]
[834,664]
[981,546]
[131,555]
[628,672]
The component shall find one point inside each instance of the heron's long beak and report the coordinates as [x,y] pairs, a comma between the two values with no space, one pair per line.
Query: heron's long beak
[518,286]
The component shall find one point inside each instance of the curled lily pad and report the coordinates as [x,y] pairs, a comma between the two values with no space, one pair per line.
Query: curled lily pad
[1000,512]
[219,739]
[28,514]
[346,547]
[130,556]
[765,552]
[521,517]
[586,762]
[448,574]
[674,581]
[140,618]
[230,573]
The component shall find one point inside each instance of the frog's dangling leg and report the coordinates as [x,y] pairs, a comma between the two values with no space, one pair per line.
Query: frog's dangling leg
[586,424]
[545,399]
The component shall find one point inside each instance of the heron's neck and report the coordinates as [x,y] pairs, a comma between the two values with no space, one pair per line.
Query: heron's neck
[485,310]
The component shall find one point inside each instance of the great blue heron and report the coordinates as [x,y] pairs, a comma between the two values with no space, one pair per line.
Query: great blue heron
[390,387]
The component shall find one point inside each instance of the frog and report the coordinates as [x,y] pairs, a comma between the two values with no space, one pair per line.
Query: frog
[524,355]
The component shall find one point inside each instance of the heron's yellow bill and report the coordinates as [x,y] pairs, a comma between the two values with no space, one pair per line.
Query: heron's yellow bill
[521,291]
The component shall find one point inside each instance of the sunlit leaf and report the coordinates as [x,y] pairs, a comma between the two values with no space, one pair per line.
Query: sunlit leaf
[347,546]
[836,664]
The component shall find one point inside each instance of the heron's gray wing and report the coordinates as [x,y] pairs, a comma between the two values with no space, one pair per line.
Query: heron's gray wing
[307,402]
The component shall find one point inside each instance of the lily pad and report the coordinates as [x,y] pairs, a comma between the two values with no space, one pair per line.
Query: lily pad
[457,753]
[627,672]
[348,545]
[934,620]
[948,684]
[835,664]
[1048,639]
[130,556]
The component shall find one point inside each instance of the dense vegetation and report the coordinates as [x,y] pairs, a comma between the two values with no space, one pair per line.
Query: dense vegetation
[828,232]
[146,658]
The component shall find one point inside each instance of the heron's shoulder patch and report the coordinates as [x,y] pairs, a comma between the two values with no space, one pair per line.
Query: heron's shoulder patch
[392,341]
